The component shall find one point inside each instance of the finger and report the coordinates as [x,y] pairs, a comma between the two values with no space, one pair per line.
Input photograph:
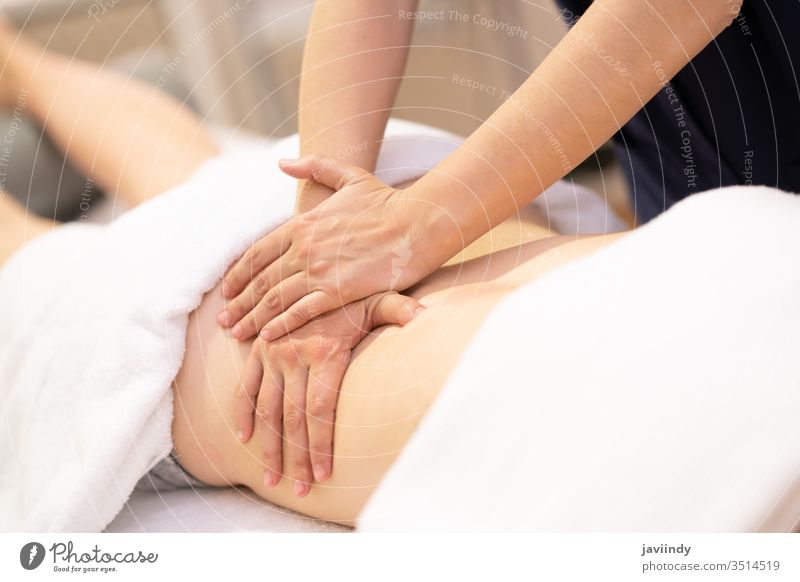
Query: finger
[258,256]
[297,464]
[245,401]
[327,171]
[277,299]
[269,419]
[393,308]
[299,313]
[271,304]
[255,291]
[323,393]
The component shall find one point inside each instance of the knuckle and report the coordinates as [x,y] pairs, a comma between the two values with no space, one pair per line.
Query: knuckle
[270,456]
[293,420]
[297,317]
[300,462]
[307,218]
[263,414]
[320,449]
[244,268]
[303,251]
[234,308]
[319,408]
[312,307]
[261,284]
[271,298]
[318,267]
[286,352]
[253,254]
[290,229]
[345,288]
[300,468]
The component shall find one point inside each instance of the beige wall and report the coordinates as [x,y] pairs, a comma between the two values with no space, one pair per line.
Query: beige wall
[442,48]
[96,30]
[454,50]
[244,71]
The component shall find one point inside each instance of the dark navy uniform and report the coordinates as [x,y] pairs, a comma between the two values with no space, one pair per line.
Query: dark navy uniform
[731,116]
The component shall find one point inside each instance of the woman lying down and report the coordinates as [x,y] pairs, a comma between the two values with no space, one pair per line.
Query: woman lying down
[94,319]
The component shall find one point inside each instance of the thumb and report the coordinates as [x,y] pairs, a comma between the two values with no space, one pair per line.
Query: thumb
[329,172]
[393,308]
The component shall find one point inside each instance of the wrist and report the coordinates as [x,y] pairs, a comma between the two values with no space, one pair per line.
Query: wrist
[433,228]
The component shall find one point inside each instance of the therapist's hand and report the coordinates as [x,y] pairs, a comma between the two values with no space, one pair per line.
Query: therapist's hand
[290,387]
[365,239]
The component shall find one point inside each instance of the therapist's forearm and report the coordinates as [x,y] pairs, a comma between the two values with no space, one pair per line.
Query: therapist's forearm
[353,61]
[573,103]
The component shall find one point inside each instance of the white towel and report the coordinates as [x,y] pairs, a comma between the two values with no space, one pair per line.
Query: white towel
[651,386]
[93,323]
[92,334]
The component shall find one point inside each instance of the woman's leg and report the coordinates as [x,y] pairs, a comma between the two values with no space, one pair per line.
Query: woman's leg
[130,138]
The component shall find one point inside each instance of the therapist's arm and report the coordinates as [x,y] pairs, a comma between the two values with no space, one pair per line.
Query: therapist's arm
[353,60]
[570,105]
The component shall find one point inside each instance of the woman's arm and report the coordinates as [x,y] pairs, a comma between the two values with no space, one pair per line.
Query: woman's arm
[353,61]
[343,250]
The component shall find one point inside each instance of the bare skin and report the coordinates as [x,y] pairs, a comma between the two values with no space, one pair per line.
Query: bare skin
[393,378]
[395,373]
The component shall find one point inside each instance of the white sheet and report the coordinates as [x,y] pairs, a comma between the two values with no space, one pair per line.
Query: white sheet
[651,386]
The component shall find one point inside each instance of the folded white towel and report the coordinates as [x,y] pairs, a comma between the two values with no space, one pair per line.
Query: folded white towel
[650,386]
[93,323]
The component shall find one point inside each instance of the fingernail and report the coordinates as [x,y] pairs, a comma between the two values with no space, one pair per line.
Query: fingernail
[223,318]
[270,480]
[320,473]
[418,310]
[240,435]
[300,489]
[226,290]
[237,331]
[265,335]
[284,161]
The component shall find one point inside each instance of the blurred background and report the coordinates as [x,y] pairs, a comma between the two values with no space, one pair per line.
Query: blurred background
[237,62]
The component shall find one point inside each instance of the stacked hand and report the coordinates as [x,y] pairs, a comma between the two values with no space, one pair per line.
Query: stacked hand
[325,276]
[361,241]
[290,387]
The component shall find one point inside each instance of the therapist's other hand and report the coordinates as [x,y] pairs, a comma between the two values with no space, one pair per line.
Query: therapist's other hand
[364,239]
[290,387]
